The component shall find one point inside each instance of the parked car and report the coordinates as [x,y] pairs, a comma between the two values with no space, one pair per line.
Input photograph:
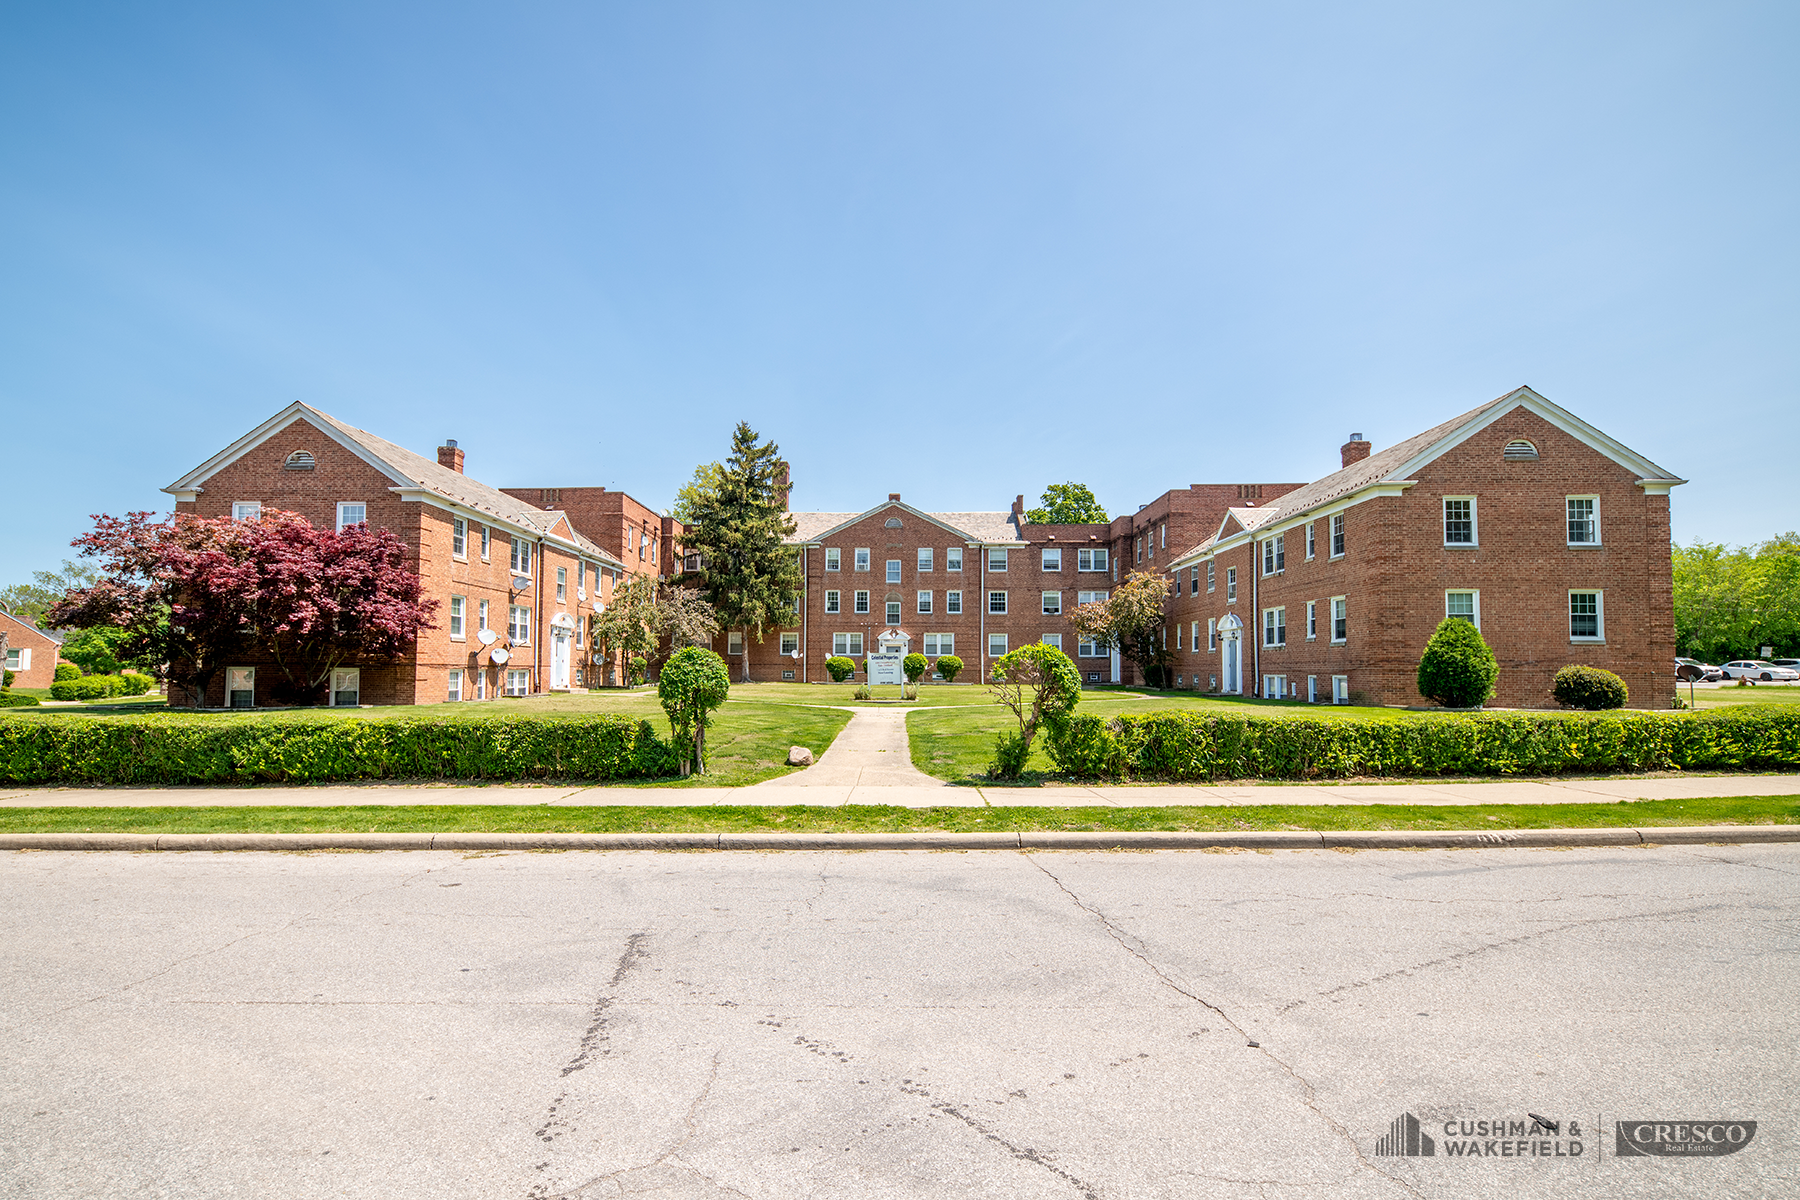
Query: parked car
[1693,669]
[1793,664]
[1756,668]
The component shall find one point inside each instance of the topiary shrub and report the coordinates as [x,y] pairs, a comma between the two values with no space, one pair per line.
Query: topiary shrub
[131,683]
[840,668]
[1588,688]
[66,672]
[693,682]
[914,665]
[1457,669]
[949,666]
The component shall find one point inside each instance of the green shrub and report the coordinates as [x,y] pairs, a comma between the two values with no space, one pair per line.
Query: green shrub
[949,666]
[8,700]
[93,687]
[693,682]
[6,680]
[65,672]
[840,668]
[637,669]
[1457,669]
[133,684]
[914,665]
[1191,746]
[175,748]
[1010,752]
[1588,687]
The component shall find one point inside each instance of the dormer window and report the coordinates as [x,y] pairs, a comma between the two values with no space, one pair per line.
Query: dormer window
[299,460]
[1519,451]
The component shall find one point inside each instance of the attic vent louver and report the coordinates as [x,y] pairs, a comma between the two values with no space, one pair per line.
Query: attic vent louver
[1519,451]
[892,523]
[299,460]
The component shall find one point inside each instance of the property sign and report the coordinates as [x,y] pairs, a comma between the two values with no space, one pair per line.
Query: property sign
[885,668]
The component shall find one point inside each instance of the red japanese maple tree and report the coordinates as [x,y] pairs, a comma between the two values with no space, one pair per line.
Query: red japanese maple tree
[194,591]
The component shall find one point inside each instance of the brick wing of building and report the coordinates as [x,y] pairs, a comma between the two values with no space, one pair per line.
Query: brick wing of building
[515,582]
[1547,534]
[31,653]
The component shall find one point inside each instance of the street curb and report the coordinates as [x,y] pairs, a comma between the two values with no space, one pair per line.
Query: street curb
[1463,839]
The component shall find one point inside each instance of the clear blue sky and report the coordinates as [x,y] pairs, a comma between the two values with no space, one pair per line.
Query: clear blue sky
[958,251]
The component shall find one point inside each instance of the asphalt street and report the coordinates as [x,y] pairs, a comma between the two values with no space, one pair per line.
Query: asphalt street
[991,1024]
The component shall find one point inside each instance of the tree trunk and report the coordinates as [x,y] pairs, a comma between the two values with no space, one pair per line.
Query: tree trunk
[746,645]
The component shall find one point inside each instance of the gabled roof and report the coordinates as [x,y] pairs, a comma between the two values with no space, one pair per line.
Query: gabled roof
[1398,462]
[811,527]
[46,634]
[405,468]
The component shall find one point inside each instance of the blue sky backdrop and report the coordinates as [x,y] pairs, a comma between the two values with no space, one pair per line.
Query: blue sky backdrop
[958,251]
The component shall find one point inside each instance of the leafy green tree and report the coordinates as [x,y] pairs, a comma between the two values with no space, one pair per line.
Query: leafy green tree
[29,602]
[1067,504]
[1730,603]
[95,650]
[696,491]
[693,682]
[631,624]
[1457,669]
[740,526]
[1041,686]
[685,618]
[1131,621]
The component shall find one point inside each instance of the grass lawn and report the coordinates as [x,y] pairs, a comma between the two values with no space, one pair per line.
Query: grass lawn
[1725,697]
[853,818]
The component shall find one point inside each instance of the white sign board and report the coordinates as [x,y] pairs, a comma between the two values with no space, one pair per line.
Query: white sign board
[885,668]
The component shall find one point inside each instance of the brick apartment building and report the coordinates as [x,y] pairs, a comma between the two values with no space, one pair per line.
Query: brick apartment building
[1548,535]
[31,653]
[493,562]
[647,542]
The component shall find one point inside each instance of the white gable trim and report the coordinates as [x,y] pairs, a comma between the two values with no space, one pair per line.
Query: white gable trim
[1557,416]
[818,539]
[187,487]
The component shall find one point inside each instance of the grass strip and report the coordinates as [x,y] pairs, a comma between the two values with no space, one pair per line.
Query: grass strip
[870,818]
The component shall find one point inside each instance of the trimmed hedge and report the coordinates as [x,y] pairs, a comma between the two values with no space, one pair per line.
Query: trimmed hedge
[179,749]
[1189,746]
[99,687]
[8,700]
[1589,687]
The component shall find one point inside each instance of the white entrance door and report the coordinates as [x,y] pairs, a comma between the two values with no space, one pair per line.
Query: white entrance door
[559,662]
[1115,665]
[1234,665]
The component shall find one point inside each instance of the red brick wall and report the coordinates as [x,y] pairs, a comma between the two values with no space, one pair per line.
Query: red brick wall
[44,652]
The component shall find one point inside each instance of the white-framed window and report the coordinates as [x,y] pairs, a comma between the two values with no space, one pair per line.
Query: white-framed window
[518,683]
[1309,541]
[996,645]
[1087,647]
[562,585]
[1464,605]
[939,643]
[953,602]
[848,645]
[486,537]
[481,683]
[833,598]
[1275,687]
[580,630]
[459,537]
[790,644]
[1194,580]
[520,556]
[862,602]
[734,642]
[581,581]
[925,558]
[1209,575]
[1275,626]
[1587,616]
[458,611]
[481,615]
[1091,559]
[1340,689]
[1091,597]
[1212,634]
[1138,545]
[1052,639]
[834,559]
[1337,535]
[1052,560]
[346,687]
[1193,637]
[1274,554]
[1340,620]
[351,512]
[1178,635]
[596,573]
[1312,620]
[893,612]
[1312,689]
[518,624]
[996,558]
[1162,536]
[455,690]
[893,570]
[862,558]
[18,658]
[1053,604]
[953,558]
[1231,585]
[246,510]
[924,602]
[1459,521]
[1584,520]
[996,602]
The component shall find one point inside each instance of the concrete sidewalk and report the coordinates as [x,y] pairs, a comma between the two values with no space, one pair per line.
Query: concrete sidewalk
[1555,791]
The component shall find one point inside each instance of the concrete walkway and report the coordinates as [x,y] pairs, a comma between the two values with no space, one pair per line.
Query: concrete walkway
[871,752]
[932,794]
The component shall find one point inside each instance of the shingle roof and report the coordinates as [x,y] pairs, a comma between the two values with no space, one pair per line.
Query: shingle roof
[977,526]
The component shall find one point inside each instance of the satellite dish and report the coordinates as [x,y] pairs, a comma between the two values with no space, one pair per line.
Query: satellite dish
[487,637]
[500,654]
[521,583]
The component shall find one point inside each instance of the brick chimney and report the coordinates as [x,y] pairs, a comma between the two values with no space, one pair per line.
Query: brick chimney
[893,497]
[783,484]
[1355,450]
[1018,508]
[450,456]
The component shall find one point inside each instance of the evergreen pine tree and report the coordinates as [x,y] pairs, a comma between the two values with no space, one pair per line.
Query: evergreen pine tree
[740,525]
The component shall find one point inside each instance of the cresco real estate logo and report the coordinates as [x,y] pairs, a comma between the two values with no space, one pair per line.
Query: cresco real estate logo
[1681,1139]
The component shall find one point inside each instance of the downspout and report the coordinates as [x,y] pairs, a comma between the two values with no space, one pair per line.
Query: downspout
[981,598]
[1256,611]
[537,640]
[805,604]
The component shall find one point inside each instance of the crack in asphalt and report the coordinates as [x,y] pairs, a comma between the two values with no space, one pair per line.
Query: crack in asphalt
[1310,1093]
[595,1037]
